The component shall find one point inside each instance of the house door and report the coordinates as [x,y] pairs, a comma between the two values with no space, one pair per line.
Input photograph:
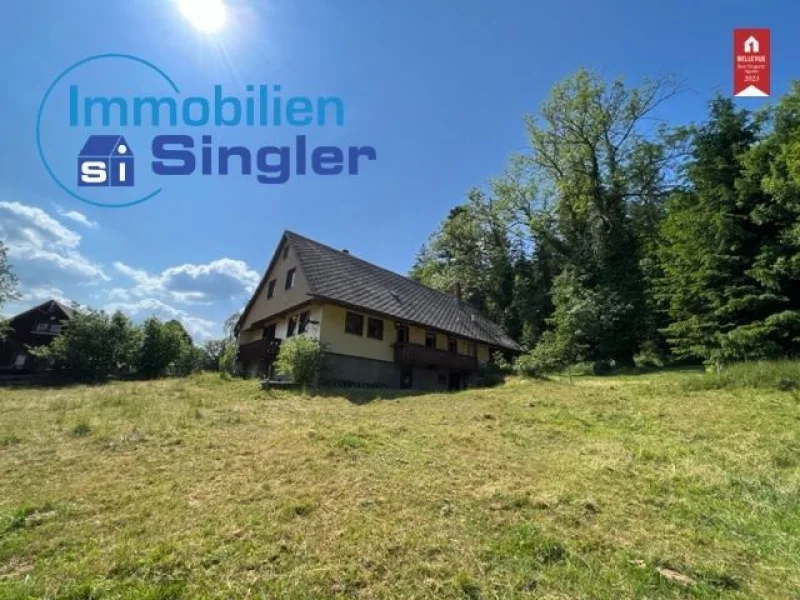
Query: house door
[454,381]
[406,378]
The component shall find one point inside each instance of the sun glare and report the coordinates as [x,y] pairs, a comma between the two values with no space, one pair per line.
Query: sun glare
[205,15]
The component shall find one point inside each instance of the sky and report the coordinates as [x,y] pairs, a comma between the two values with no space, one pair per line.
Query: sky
[439,89]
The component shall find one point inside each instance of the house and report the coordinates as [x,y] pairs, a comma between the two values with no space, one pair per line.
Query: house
[37,326]
[377,327]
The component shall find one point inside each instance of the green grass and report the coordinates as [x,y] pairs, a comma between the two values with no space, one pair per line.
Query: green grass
[657,485]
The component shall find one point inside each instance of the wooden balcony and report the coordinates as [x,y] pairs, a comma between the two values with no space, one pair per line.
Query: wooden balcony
[416,355]
[259,350]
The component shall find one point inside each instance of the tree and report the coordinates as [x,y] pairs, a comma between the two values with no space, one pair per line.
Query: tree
[161,348]
[8,286]
[582,326]
[474,250]
[8,281]
[769,192]
[300,359]
[593,147]
[213,351]
[93,346]
[708,242]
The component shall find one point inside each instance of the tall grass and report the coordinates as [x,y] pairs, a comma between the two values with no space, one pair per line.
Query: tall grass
[780,375]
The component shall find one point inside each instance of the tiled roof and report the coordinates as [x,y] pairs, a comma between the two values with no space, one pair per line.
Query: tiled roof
[46,307]
[340,277]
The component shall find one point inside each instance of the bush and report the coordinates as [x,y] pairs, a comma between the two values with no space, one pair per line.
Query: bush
[93,346]
[300,358]
[489,375]
[227,360]
[548,356]
[190,360]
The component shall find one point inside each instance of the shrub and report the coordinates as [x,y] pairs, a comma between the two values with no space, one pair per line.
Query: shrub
[93,346]
[300,358]
[489,375]
[548,356]
[190,360]
[227,360]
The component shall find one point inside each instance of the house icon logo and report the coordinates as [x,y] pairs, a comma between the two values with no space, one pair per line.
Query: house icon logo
[106,160]
[751,45]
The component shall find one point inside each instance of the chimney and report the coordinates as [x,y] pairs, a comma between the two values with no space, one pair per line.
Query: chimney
[345,251]
[457,290]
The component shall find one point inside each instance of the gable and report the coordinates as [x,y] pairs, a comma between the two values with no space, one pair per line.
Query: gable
[260,307]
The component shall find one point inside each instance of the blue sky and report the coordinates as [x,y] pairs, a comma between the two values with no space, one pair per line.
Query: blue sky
[439,88]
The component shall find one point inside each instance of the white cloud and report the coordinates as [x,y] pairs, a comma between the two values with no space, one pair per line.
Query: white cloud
[41,294]
[199,328]
[76,216]
[221,279]
[42,249]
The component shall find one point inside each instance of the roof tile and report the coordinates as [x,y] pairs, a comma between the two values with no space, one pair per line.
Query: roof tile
[341,277]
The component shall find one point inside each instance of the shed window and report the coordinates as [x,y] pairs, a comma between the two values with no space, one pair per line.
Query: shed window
[354,323]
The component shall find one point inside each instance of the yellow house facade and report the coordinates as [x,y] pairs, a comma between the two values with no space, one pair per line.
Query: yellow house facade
[377,328]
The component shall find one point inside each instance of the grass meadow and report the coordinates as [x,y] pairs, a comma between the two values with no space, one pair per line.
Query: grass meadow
[661,485]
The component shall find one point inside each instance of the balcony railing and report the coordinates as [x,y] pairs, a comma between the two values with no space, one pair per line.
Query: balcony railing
[417,355]
[259,350]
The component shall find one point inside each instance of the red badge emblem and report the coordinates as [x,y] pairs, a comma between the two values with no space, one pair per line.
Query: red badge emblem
[751,63]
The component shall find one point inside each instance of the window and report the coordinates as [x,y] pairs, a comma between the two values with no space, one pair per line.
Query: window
[354,323]
[430,339]
[42,326]
[55,328]
[19,361]
[452,345]
[269,332]
[375,328]
[402,333]
[305,317]
[291,326]
[471,349]
[271,289]
[286,252]
[290,279]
